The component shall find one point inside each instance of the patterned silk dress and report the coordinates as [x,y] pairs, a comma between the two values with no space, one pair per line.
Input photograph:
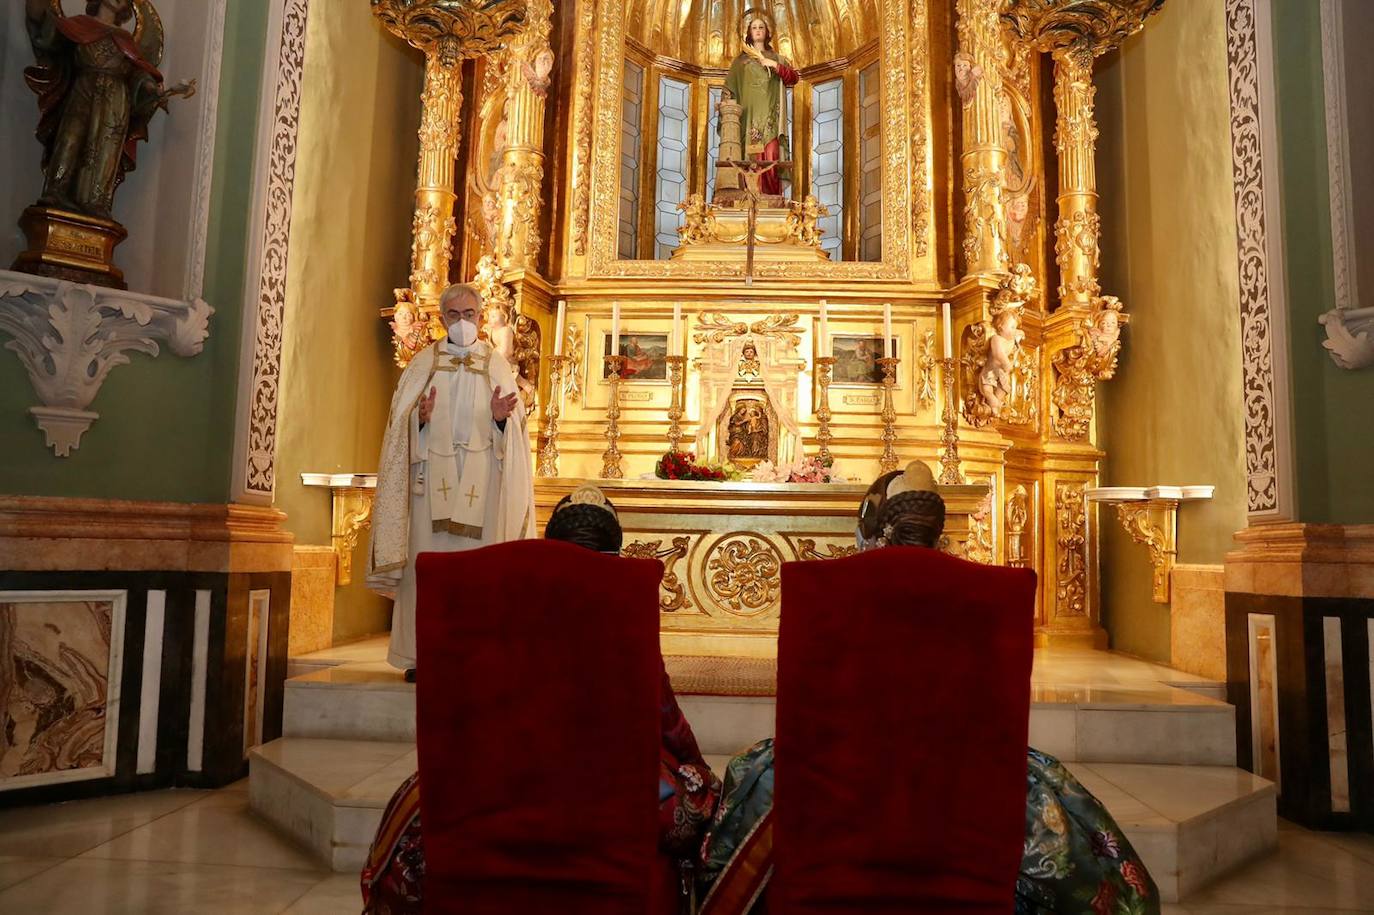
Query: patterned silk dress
[1075,858]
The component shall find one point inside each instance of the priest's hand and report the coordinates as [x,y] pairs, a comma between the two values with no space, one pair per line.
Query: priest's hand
[502,407]
[427,405]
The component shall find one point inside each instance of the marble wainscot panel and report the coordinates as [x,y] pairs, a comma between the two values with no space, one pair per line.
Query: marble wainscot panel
[142,644]
[60,660]
[1299,625]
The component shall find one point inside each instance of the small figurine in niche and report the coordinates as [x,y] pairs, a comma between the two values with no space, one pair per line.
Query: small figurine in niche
[995,380]
[98,89]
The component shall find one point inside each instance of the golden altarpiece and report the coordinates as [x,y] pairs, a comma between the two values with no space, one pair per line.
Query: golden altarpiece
[591,153]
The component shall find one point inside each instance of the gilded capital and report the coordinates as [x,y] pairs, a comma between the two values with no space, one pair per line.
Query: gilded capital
[453,28]
[1100,25]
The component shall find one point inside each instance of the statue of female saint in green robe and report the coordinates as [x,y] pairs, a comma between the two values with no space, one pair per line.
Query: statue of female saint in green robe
[756,80]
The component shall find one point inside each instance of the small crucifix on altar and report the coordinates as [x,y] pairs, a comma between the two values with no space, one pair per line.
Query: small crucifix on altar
[753,171]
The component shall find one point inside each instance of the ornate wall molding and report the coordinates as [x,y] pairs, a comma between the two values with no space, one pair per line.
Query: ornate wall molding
[1349,328]
[255,441]
[1259,228]
[70,336]
[199,226]
[1338,155]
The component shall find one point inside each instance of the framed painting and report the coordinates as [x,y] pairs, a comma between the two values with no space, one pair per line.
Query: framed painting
[856,358]
[646,356]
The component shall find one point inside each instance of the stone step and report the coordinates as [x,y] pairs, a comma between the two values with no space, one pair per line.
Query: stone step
[1190,824]
[1137,723]
[328,794]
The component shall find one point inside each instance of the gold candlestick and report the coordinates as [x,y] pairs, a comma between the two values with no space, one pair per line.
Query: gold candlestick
[548,452]
[610,458]
[889,414]
[949,453]
[675,364]
[824,365]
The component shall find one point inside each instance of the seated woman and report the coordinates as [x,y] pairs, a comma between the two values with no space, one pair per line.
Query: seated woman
[393,877]
[1075,858]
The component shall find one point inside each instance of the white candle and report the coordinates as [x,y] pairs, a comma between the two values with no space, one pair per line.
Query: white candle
[675,338]
[887,329]
[562,327]
[949,336]
[823,334]
[615,328]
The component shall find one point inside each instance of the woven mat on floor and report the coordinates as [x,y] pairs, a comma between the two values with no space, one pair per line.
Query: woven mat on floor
[722,676]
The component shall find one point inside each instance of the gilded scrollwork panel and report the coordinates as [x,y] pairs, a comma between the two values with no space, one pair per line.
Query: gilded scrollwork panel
[1071,540]
[743,573]
[673,591]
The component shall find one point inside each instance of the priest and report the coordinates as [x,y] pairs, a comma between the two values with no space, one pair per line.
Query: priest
[455,470]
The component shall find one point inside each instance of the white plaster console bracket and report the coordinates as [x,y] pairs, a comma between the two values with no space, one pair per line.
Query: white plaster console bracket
[69,336]
[1348,333]
[1150,516]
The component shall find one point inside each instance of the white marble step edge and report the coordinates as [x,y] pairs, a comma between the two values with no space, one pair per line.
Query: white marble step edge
[1193,730]
[1190,824]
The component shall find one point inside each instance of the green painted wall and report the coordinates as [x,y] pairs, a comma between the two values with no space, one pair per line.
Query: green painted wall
[166,425]
[1173,414]
[1333,436]
[350,228]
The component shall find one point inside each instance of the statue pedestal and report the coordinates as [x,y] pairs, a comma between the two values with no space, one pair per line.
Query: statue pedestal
[71,246]
[722,234]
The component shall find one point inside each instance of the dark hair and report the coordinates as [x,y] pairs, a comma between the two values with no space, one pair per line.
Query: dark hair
[589,526]
[124,15]
[768,31]
[870,507]
[913,518]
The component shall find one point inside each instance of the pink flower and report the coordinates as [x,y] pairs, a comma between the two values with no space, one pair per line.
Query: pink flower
[1135,875]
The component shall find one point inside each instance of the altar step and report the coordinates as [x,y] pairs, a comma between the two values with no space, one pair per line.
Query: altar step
[1154,744]
[1190,824]
[1123,721]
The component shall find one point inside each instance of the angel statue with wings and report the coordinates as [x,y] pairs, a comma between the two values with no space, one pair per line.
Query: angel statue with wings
[98,88]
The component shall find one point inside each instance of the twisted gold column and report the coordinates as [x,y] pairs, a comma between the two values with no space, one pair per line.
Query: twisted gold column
[447,31]
[1079,228]
[985,157]
[521,174]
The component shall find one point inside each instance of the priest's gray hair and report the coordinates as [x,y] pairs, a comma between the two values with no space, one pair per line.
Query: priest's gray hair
[461,289]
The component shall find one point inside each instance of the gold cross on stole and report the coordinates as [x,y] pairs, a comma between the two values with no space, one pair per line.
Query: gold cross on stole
[445,489]
[471,496]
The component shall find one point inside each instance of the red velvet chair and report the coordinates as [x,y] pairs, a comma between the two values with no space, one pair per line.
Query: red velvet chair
[903,705]
[538,730]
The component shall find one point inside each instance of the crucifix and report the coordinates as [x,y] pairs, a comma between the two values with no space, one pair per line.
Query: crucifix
[471,496]
[753,171]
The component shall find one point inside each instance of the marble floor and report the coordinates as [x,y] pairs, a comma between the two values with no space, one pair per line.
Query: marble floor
[204,851]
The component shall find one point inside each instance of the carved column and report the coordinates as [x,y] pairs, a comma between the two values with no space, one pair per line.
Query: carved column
[447,31]
[1076,32]
[985,157]
[1079,227]
[1081,338]
[521,173]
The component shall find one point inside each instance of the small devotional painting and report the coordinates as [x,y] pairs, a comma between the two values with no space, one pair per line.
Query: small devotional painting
[646,356]
[856,359]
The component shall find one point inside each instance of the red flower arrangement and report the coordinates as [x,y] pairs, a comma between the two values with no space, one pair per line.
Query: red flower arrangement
[682,465]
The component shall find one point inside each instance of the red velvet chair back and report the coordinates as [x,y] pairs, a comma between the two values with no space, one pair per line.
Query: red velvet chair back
[537,686]
[903,706]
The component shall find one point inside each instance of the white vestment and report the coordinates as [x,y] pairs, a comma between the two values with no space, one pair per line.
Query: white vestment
[458,483]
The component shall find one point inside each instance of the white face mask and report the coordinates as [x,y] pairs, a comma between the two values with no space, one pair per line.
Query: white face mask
[462,332]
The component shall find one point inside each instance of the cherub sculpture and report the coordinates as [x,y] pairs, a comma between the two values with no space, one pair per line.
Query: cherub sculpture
[98,88]
[537,73]
[967,75]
